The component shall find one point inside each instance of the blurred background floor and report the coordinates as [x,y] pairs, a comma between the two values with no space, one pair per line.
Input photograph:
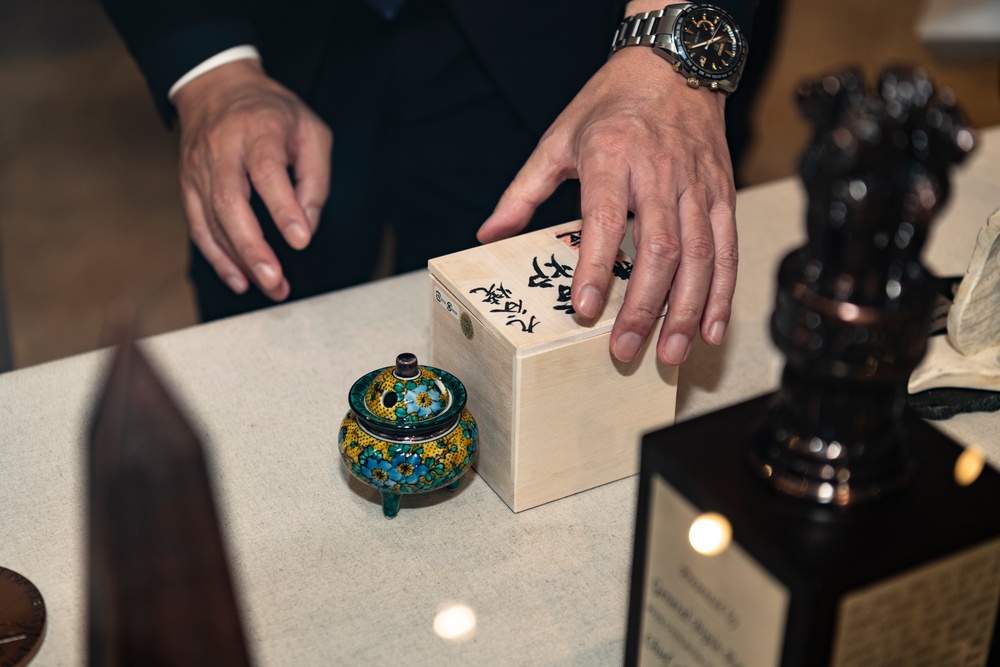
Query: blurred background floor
[88,196]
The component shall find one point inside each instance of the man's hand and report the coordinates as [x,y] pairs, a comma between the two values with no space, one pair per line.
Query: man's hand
[639,139]
[239,127]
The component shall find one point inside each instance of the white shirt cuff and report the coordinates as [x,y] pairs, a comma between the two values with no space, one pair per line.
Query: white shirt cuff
[245,52]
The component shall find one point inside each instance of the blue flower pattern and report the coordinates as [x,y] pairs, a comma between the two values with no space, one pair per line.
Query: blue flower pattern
[422,400]
[378,472]
[407,468]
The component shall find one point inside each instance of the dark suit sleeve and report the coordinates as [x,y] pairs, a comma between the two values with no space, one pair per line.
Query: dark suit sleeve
[540,54]
[168,39]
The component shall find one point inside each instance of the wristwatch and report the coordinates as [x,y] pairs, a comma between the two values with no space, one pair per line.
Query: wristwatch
[702,42]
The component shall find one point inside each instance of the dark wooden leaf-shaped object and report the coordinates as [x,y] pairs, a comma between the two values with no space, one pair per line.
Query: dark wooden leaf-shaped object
[159,587]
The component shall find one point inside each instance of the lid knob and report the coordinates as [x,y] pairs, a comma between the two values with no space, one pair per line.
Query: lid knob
[406,366]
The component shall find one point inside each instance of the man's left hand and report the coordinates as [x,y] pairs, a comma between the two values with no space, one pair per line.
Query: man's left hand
[640,139]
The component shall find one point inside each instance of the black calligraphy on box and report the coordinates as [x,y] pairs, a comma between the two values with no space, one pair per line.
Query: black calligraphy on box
[545,273]
[512,309]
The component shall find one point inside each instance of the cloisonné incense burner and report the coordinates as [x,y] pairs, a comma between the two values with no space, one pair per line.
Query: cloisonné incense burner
[408,431]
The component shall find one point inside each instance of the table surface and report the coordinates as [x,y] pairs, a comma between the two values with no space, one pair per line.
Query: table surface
[322,578]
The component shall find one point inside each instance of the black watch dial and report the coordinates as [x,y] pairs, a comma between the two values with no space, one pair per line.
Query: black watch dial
[712,44]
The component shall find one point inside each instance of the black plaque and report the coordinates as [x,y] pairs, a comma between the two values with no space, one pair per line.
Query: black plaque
[857,533]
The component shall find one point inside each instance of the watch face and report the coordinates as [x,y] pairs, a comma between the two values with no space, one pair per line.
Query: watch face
[712,45]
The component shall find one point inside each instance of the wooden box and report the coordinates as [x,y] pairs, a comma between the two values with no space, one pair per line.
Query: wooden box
[557,412]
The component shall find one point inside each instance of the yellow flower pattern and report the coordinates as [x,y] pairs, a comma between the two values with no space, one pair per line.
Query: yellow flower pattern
[408,467]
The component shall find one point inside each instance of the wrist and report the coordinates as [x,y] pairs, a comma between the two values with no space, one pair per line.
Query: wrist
[218,81]
[241,52]
[647,71]
[639,6]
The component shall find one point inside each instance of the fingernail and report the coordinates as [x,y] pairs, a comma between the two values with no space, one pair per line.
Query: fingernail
[590,301]
[716,333]
[481,228]
[676,349]
[312,212]
[236,282]
[265,274]
[627,346]
[297,235]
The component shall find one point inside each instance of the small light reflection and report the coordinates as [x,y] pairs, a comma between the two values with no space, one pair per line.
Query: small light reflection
[825,492]
[843,494]
[833,451]
[965,140]
[848,312]
[969,466]
[710,534]
[455,622]
[858,190]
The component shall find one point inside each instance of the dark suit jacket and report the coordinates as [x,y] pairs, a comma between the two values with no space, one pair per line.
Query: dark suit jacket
[539,52]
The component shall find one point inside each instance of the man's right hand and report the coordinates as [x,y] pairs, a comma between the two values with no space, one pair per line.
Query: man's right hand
[240,127]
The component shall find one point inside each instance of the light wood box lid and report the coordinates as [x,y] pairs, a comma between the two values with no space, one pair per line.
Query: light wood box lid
[520,287]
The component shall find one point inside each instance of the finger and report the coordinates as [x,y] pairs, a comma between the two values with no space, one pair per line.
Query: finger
[719,307]
[201,235]
[267,163]
[231,210]
[604,197]
[657,258]
[689,289]
[541,174]
[280,293]
[314,143]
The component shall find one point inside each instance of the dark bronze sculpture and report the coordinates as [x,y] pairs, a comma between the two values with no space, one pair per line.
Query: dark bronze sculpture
[854,303]
[862,535]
